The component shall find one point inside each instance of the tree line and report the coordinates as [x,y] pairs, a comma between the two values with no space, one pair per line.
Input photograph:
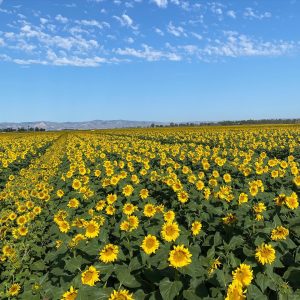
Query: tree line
[22,129]
[228,123]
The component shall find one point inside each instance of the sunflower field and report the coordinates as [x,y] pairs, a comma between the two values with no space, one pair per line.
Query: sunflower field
[160,213]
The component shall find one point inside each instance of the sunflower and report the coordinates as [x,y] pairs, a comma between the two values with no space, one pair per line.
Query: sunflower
[144,193]
[229,219]
[280,200]
[243,198]
[22,220]
[169,216]
[214,265]
[150,244]
[14,290]
[109,253]
[73,203]
[292,201]
[70,295]
[111,198]
[125,226]
[200,185]
[297,180]
[170,231]
[183,196]
[149,210]
[259,207]
[265,254]
[60,193]
[76,185]
[127,190]
[97,173]
[92,229]
[90,276]
[37,210]
[259,217]
[133,222]
[196,227]
[22,231]
[100,205]
[179,257]
[129,208]
[64,226]
[235,292]
[121,295]
[279,233]
[110,210]
[227,178]
[8,251]
[243,275]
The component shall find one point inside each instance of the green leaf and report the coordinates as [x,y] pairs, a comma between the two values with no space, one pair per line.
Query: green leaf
[292,275]
[168,289]
[248,252]
[134,264]
[190,295]
[221,278]
[217,239]
[234,261]
[75,263]
[235,242]
[254,293]
[126,278]
[38,266]
[262,281]
[92,248]
[276,220]
[93,292]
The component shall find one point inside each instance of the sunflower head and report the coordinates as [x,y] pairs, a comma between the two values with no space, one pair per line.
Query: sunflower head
[121,295]
[243,275]
[150,244]
[90,276]
[265,254]
[109,253]
[180,256]
[170,231]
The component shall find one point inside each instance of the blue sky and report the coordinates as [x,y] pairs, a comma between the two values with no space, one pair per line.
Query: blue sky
[157,60]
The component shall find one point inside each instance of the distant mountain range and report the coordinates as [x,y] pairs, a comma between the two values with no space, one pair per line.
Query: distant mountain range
[96,124]
[109,124]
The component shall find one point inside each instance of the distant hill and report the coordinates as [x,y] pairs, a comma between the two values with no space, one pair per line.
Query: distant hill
[96,124]
[101,124]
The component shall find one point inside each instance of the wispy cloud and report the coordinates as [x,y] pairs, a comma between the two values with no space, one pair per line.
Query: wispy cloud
[209,31]
[148,53]
[251,14]
[161,3]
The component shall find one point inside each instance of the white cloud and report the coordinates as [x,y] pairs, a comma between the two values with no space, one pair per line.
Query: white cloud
[129,40]
[197,36]
[251,14]
[231,13]
[159,31]
[161,3]
[237,45]
[93,23]
[76,61]
[125,20]
[44,20]
[61,19]
[176,30]
[191,36]
[148,53]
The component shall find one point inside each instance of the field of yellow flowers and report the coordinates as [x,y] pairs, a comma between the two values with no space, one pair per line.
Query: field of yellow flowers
[163,213]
